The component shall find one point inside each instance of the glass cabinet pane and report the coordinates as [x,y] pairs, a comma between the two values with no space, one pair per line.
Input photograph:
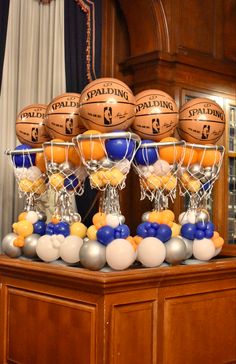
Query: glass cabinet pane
[232,128]
[232,201]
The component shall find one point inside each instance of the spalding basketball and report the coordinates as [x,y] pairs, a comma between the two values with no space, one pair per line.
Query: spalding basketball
[30,125]
[107,104]
[201,121]
[156,115]
[62,117]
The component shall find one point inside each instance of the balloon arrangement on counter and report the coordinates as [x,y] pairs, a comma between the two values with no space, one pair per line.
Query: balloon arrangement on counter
[97,135]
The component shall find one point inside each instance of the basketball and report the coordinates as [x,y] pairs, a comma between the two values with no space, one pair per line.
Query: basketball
[156,115]
[201,121]
[62,117]
[30,125]
[107,104]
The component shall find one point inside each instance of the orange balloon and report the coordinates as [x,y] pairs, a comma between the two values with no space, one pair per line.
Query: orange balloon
[190,156]
[73,156]
[218,242]
[208,158]
[137,239]
[132,242]
[99,220]
[19,241]
[92,149]
[155,216]
[168,214]
[55,153]
[215,235]
[22,216]
[170,154]
[40,162]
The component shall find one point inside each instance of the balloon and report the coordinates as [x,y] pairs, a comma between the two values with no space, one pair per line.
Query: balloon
[210,226]
[73,156]
[92,233]
[33,173]
[39,227]
[78,229]
[25,160]
[187,217]
[164,233]
[161,168]
[146,156]
[23,228]
[176,250]
[93,148]
[202,215]
[209,233]
[117,177]
[196,171]
[29,248]
[123,231]
[120,254]
[50,229]
[62,228]
[171,153]
[32,216]
[113,220]
[70,248]
[142,230]
[119,148]
[199,234]
[92,255]
[8,246]
[46,249]
[190,156]
[99,219]
[151,252]
[105,234]
[188,231]
[55,153]
[22,216]
[39,186]
[56,180]
[145,216]
[203,249]
[208,158]
[189,247]
[71,182]
[175,229]
[26,185]
[66,168]
[40,162]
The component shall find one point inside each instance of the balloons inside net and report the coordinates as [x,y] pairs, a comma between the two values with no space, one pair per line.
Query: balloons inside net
[201,121]
[30,125]
[62,117]
[156,115]
[107,104]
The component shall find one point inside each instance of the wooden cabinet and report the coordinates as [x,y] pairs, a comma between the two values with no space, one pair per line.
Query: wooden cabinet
[169,315]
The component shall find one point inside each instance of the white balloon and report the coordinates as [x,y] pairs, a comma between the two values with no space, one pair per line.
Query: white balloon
[151,252]
[20,173]
[187,217]
[57,240]
[33,173]
[113,220]
[120,254]
[123,166]
[45,249]
[32,216]
[217,251]
[161,167]
[70,248]
[203,249]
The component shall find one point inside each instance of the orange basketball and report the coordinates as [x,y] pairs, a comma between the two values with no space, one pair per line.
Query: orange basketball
[55,153]
[92,148]
[62,117]
[171,153]
[107,104]
[201,121]
[156,115]
[208,158]
[30,125]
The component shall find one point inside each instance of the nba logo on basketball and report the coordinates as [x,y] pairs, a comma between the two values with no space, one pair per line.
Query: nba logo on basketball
[155,126]
[35,135]
[69,126]
[107,115]
[205,131]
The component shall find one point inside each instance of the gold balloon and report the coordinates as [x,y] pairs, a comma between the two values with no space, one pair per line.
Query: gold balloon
[169,182]
[78,229]
[193,185]
[23,228]
[57,181]
[175,229]
[117,177]
[154,182]
[25,185]
[39,186]
[92,232]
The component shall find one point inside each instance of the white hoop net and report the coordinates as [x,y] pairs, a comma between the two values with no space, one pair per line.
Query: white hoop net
[66,176]
[29,170]
[157,165]
[199,174]
[107,158]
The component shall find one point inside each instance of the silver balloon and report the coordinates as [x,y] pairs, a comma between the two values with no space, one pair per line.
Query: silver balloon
[189,247]
[175,250]
[196,170]
[210,172]
[66,168]
[76,217]
[202,216]
[52,167]
[8,247]
[121,219]
[41,215]
[107,163]
[92,255]
[86,239]
[93,165]
[67,218]
[29,248]
[145,216]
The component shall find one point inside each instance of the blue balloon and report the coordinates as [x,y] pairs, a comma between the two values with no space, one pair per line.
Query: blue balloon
[105,234]
[62,228]
[163,233]
[146,156]
[123,230]
[199,234]
[152,232]
[25,160]
[201,225]
[155,225]
[209,234]
[117,234]
[142,230]
[210,226]
[71,182]
[39,227]
[119,148]
[50,229]
[188,231]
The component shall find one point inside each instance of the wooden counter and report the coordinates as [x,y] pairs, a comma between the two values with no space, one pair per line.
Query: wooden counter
[53,314]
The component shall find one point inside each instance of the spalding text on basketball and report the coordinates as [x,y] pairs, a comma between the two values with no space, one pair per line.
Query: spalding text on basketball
[108,91]
[62,104]
[200,111]
[32,114]
[157,103]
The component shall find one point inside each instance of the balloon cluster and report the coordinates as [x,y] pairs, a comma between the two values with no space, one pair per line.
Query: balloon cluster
[197,227]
